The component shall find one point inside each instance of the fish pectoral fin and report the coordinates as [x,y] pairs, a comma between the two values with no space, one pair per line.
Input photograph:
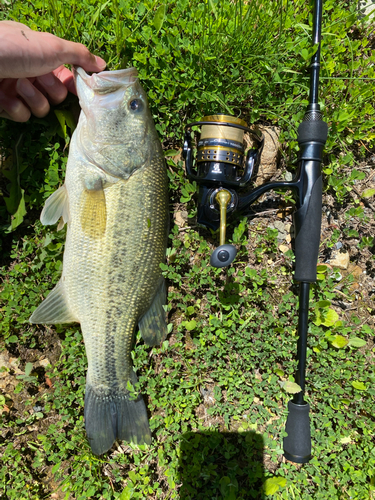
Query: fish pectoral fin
[153,325]
[57,205]
[93,213]
[115,416]
[54,309]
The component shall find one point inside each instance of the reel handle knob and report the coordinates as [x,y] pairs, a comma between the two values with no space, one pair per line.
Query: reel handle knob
[223,256]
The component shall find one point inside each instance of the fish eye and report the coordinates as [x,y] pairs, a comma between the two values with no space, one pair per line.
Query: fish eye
[136,105]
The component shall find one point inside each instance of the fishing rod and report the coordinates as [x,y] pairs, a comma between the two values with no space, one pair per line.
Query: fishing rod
[222,191]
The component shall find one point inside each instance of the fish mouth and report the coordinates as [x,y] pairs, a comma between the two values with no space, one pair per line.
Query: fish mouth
[106,81]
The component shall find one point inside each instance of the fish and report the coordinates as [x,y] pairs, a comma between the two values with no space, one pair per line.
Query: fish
[115,203]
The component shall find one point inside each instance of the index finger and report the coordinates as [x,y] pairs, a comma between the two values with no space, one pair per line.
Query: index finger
[66,77]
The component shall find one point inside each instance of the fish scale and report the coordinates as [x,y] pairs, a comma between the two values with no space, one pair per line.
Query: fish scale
[116,207]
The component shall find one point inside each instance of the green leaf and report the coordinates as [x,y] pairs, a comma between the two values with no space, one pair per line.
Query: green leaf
[339,341]
[305,54]
[213,8]
[323,303]
[12,339]
[290,387]
[251,273]
[48,239]
[127,493]
[229,488]
[330,318]
[273,484]
[171,152]
[190,325]
[367,193]
[65,118]
[367,329]
[17,218]
[28,369]
[159,18]
[322,268]
[360,386]
[56,467]
[356,342]
[345,440]
[133,476]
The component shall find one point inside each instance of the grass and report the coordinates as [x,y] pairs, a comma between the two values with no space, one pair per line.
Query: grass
[213,388]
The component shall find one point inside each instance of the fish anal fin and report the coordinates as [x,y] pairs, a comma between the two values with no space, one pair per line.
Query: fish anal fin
[112,416]
[54,309]
[56,206]
[153,325]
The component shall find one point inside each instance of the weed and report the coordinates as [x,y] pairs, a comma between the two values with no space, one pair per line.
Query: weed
[213,388]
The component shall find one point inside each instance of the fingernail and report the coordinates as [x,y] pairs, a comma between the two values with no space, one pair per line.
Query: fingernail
[100,62]
[25,87]
[48,80]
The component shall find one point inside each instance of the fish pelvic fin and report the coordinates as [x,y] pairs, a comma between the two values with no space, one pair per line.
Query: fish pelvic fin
[56,206]
[153,325]
[114,416]
[54,309]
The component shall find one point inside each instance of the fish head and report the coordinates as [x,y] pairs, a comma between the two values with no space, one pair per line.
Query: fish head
[115,129]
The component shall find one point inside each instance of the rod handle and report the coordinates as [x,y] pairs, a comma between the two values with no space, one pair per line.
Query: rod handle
[297,444]
[307,224]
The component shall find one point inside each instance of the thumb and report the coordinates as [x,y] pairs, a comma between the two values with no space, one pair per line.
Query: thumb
[79,55]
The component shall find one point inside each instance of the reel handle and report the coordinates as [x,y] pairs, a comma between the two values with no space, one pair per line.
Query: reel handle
[223,255]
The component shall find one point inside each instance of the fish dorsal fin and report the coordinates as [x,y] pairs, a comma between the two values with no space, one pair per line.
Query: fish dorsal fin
[54,309]
[56,206]
[153,325]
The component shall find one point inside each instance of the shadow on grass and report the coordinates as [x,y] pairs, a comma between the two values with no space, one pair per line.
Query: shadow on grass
[221,466]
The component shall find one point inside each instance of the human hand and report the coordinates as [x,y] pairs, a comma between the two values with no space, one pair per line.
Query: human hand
[32,71]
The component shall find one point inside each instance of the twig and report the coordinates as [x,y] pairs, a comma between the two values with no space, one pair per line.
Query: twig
[265,212]
[343,294]
[367,203]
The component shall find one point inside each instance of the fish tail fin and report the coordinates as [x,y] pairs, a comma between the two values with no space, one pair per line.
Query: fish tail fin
[115,416]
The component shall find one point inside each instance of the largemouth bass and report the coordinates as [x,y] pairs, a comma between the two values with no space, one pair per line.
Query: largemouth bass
[115,204]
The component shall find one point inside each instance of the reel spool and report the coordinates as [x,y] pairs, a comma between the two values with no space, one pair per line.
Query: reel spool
[221,169]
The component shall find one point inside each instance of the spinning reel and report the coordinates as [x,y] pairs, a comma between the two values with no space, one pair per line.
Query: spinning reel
[221,172]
